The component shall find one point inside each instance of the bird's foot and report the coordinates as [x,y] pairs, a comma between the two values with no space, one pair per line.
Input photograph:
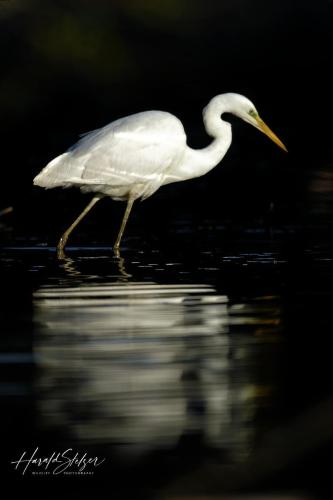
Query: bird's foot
[61,254]
[60,250]
[116,251]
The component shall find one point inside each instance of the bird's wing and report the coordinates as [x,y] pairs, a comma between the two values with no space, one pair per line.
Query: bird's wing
[135,149]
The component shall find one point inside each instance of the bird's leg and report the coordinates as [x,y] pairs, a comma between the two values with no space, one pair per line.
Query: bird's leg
[64,237]
[130,202]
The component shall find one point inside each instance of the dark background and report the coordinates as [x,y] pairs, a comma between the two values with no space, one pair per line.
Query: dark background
[71,66]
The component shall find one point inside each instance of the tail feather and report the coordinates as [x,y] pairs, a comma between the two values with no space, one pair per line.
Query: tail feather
[56,173]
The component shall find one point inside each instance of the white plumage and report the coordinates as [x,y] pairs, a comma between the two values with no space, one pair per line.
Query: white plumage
[133,156]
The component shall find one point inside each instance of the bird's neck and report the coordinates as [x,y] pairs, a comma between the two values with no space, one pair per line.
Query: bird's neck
[207,158]
[214,125]
[197,162]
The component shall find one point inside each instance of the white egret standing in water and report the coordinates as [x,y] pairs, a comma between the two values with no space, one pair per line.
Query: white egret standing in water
[134,156]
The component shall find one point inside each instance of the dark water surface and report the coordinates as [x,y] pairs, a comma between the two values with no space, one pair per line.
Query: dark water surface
[210,358]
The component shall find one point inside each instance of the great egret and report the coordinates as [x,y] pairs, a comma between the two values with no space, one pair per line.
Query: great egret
[134,156]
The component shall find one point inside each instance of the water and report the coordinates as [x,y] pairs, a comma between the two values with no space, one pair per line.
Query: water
[151,363]
[172,359]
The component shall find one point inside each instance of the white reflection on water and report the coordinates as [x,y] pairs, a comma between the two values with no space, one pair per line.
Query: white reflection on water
[140,365]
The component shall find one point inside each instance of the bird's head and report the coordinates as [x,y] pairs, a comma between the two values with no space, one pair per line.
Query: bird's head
[243,108]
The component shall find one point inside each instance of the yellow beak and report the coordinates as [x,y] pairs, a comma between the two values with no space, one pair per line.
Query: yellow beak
[266,130]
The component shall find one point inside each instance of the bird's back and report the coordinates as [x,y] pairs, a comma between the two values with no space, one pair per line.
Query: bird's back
[135,150]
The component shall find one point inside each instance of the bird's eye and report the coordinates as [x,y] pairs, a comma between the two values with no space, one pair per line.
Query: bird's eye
[253,113]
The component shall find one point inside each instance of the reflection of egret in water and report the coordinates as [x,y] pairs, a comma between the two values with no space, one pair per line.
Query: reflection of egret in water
[140,365]
[69,266]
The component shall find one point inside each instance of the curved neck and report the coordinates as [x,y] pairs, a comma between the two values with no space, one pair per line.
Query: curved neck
[214,125]
[220,130]
[197,162]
